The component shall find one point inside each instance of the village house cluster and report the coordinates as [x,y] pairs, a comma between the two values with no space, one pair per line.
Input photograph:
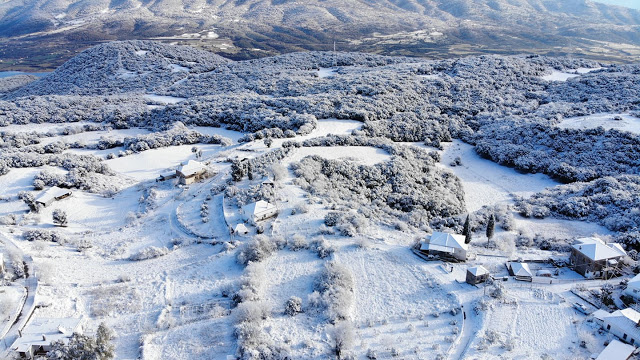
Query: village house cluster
[590,257]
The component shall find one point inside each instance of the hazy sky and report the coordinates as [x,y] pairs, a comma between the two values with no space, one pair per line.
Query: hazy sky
[634,4]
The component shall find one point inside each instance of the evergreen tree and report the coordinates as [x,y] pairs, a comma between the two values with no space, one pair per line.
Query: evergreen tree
[249,171]
[465,229]
[491,225]
[83,347]
[237,171]
[467,237]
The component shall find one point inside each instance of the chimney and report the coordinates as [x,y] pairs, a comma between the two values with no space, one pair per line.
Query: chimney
[19,333]
[44,338]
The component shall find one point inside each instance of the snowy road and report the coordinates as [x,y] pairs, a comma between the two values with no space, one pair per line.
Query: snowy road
[31,286]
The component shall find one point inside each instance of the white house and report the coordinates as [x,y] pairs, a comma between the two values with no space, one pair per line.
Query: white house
[623,324]
[191,172]
[520,270]
[616,351]
[633,287]
[36,338]
[445,244]
[240,229]
[50,195]
[259,211]
[593,258]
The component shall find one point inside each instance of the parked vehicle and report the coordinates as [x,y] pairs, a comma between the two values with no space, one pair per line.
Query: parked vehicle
[581,308]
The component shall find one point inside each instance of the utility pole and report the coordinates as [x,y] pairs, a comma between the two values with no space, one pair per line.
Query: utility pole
[335,61]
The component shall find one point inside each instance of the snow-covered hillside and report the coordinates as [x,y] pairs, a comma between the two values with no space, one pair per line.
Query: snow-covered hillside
[270,209]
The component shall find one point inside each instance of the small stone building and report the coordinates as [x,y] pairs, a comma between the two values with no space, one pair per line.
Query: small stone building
[477,275]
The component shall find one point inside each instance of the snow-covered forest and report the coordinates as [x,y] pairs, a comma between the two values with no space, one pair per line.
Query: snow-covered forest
[361,156]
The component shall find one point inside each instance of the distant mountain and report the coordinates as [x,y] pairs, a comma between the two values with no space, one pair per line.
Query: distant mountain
[633,4]
[255,28]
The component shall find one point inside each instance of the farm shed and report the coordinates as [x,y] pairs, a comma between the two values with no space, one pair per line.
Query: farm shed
[50,195]
[445,244]
[477,275]
[593,258]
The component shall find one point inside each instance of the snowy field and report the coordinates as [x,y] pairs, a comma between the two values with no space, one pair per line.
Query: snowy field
[564,76]
[623,122]
[164,99]
[487,183]
[148,165]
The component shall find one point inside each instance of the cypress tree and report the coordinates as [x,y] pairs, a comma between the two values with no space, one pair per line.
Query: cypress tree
[465,229]
[491,226]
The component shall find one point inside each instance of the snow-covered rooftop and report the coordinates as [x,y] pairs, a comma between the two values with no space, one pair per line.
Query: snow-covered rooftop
[521,269]
[241,229]
[625,320]
[258,208]
[478,270]
[595,249]
[192,168]
[634,282]
[616,350]
[600,314]
[44,331]
[51,194]
[446,240]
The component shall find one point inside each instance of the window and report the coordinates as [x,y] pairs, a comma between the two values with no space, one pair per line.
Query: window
[624,337]
[632,341]
[608,327]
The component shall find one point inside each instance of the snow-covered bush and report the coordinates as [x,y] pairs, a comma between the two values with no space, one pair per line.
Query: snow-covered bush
[372,354]
[323,248]
[150,252]
[60,217]
[343,337]
[293,306]
[297,242]
[336,285]
[259,248]
[44,235]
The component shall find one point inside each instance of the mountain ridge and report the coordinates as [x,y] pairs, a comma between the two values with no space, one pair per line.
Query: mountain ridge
[256,28]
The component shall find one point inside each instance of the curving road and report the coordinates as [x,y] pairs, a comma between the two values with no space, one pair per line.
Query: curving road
[26,310]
